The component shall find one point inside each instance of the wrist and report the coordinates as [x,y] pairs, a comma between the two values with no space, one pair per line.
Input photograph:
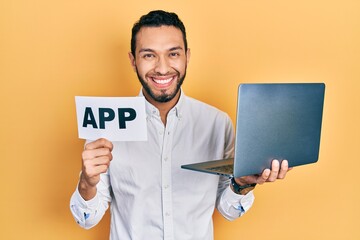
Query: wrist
[242,189]
[86,190]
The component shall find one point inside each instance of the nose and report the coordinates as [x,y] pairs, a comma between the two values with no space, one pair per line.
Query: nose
[162,66]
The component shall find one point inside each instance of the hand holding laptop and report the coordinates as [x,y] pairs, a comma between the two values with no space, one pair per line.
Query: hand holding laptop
[278,171]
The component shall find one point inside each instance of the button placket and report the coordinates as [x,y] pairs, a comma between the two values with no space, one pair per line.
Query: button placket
[166,179]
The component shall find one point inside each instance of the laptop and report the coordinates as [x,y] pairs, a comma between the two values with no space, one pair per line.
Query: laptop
[274,121]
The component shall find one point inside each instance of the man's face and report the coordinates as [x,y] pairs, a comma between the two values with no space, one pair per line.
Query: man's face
[160,61]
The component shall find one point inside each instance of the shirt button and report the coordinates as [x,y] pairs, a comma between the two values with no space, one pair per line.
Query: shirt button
[167,214]
[165,159]
[166,186]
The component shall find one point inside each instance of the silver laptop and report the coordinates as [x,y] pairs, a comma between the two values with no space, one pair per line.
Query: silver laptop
[274,121]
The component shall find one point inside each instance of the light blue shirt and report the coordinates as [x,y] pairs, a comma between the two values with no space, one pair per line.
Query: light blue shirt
[151,196]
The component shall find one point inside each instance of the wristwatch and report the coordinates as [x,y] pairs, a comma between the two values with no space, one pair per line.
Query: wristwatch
[242,190]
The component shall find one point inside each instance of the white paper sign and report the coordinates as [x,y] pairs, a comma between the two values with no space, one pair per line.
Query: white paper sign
[113,118]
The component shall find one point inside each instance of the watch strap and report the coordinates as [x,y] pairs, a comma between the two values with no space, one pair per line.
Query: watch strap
[239,188]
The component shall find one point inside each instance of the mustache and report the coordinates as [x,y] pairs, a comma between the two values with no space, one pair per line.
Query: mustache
[164,74]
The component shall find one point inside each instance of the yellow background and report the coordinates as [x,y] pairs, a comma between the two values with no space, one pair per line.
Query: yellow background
[51,51]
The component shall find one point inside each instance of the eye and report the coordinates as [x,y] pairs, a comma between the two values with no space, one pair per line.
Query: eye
[174,54]
[148,56]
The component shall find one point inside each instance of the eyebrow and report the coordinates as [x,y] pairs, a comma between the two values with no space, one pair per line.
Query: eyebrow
[146,50]
[151,50]
[176,48]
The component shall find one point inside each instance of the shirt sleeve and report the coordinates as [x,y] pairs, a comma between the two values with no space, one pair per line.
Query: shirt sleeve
[89,213]
[228,203]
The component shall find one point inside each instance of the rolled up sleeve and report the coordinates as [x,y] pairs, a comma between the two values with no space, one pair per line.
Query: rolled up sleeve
[232,205]
[89,213]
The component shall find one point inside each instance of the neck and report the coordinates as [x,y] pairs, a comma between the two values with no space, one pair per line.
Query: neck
[163,107]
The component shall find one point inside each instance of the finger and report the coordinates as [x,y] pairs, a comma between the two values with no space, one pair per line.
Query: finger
[263,177]
[275,166]
[94,153]
[284,169]
[100,143]
[103,160]
[102,169]
[95,171]
[90,167]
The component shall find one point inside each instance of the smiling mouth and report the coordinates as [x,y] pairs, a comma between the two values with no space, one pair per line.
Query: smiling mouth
[163,81]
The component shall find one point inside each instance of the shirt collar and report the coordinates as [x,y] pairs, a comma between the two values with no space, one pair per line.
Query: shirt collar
[152,110]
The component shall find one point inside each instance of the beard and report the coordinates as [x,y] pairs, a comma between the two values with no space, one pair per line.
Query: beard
[163,97]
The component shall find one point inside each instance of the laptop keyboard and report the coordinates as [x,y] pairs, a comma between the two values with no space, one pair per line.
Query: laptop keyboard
[224,169]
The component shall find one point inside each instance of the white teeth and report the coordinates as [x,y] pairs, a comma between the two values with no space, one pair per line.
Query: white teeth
[162,81]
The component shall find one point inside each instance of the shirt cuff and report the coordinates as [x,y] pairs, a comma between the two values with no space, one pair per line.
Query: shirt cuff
[86,204]
[240,202]
[82,210]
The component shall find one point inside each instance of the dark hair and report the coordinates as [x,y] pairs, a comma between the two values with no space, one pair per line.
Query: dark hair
[157,18]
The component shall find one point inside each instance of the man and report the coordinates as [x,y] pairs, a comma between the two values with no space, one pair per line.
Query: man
[151,196]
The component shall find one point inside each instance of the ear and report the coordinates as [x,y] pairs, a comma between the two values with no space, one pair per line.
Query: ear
[132,61]
[188,53]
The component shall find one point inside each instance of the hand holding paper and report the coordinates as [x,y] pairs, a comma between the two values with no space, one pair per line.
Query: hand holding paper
[96,159]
